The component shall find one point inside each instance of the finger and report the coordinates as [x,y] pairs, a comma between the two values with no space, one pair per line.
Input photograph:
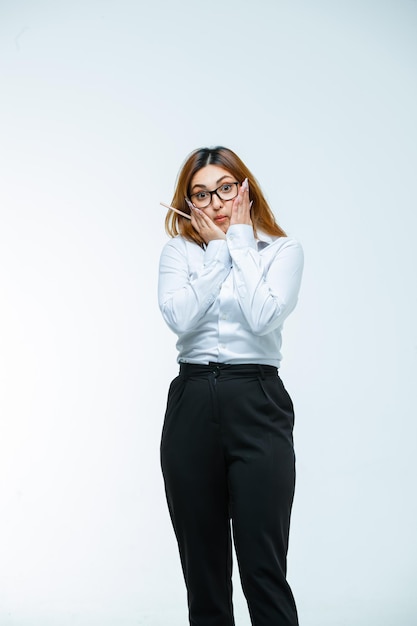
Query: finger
[242,190]
[189,203]
[203,222]
[243,195]
[200,217]
[242,199]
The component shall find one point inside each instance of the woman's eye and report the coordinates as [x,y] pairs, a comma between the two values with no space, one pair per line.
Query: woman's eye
[226,188]
[201,195]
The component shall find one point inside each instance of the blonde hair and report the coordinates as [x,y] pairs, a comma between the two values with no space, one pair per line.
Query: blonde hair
[261,214]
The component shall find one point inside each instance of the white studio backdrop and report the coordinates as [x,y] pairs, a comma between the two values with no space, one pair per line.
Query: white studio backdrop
[100,103]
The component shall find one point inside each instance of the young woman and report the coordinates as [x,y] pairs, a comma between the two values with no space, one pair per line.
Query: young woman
[228,278]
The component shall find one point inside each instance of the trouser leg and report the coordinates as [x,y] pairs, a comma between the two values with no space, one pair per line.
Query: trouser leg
[196,488]
[258,431]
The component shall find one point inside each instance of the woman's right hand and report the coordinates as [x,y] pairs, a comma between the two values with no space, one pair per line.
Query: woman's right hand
[205,227]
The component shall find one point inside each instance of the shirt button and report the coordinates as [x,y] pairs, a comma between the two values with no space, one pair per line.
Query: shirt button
[222,345]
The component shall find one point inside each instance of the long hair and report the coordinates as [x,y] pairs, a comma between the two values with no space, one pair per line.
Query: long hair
[261,214]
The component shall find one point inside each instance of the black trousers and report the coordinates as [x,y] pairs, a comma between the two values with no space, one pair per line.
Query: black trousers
[227,454]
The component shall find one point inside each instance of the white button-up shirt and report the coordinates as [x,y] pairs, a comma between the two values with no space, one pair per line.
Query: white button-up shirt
[227,302]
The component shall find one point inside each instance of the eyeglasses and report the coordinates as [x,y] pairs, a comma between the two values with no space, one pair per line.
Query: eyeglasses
[227,191]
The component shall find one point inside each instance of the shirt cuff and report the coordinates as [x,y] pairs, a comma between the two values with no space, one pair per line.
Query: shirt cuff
[217,251]
[240,236]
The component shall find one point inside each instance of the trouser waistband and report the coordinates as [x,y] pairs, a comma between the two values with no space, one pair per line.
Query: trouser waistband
[219,369]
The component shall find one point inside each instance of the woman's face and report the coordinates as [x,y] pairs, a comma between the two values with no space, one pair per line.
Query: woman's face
[209,178]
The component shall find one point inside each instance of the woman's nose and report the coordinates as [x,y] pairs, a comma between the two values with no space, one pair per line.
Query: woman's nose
[216,202]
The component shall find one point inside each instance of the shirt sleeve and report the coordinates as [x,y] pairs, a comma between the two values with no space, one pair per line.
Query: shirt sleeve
[185,293]
[266,295]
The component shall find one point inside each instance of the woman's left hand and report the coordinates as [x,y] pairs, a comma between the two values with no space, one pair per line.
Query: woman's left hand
[241,206]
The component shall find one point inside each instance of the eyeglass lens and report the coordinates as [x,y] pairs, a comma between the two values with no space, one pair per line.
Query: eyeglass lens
[228,191]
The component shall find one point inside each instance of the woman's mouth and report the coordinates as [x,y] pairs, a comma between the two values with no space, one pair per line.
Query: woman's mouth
[220,218]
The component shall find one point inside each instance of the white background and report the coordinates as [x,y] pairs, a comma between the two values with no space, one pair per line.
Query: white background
[100,103]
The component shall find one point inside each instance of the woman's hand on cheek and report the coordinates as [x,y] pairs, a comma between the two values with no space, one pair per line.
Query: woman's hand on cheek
[241,206]
[205,227]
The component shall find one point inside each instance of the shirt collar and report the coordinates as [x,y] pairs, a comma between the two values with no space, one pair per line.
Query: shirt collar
[264,239]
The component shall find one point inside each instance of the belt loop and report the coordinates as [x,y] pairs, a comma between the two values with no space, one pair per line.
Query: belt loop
[261,371]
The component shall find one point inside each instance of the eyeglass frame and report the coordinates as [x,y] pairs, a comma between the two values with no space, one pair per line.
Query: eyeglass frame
[215,192]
